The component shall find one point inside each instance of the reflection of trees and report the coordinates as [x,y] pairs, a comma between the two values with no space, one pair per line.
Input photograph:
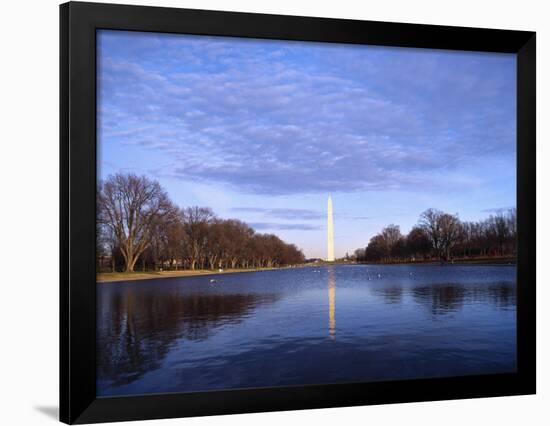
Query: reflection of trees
[390,294]
[136,329]
[501,295]
[444,298]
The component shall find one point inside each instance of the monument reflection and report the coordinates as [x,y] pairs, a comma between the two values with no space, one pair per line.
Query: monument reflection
[331,280]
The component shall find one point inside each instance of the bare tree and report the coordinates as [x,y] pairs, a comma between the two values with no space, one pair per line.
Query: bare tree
[237,234]
[429,221]
[391,235]
[196,221]
[450,233]
[106,245]
[512,229]
[376,250]
[418,243]
[131,206]
[216,243]
[359,254]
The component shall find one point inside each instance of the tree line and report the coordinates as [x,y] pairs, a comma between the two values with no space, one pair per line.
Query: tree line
[139,227]
[443,236]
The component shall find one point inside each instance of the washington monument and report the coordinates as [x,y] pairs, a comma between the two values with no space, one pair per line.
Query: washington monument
[330,232]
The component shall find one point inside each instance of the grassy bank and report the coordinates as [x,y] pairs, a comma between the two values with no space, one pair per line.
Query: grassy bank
[104,277]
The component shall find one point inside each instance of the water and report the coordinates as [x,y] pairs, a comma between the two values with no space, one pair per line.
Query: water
[332,324]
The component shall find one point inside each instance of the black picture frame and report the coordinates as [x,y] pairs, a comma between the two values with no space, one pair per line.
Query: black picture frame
[78,25]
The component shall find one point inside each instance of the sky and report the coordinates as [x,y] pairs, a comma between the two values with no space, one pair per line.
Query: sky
[265,130]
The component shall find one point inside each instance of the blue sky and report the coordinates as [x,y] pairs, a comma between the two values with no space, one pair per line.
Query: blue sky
[265,130]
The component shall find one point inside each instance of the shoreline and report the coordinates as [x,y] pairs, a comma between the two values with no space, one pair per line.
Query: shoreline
[110,277]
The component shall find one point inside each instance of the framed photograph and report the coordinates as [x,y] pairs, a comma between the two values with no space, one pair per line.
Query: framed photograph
[264,212]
